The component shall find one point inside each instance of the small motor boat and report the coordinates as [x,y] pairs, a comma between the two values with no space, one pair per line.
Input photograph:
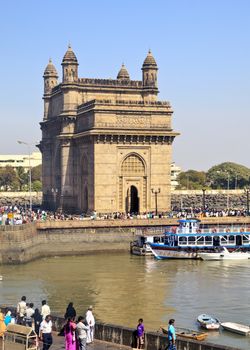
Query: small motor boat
[208,322]
[236,328]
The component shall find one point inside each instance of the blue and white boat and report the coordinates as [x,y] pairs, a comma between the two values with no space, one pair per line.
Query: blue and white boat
[188,240]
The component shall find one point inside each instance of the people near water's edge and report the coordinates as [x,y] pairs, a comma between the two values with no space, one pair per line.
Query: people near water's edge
[171,335]
[70,334]
[91,323]
[81,332]
[29,314]
[140,334]
[7,318]
[70,311]
[45,310]
[2,324]
[45,332]
[37,320]
[21,310]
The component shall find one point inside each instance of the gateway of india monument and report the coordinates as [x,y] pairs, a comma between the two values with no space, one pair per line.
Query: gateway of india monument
[106,143]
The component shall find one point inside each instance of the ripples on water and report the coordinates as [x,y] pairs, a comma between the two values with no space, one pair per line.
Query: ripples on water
[124,288]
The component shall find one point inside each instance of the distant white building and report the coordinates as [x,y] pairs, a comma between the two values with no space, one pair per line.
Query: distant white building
[175,171]
[21,160]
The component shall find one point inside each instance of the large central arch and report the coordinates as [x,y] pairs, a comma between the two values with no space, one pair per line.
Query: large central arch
[132,185]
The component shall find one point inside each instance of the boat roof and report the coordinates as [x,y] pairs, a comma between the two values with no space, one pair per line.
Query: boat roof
[213,234]
[181,221]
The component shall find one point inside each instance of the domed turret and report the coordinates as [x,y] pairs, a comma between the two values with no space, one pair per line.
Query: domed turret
[70,66]
[149,71]
[123,73]
[50,77]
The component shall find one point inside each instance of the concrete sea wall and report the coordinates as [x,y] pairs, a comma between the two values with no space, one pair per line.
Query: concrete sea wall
[126,337]
[23,243]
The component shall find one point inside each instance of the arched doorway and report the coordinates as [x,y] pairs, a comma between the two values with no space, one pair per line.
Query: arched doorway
[132,200]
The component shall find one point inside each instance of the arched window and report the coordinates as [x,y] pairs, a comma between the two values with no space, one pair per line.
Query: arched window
[133,165]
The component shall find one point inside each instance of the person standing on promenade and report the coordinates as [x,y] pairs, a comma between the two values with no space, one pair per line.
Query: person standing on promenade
[45,332]
[81,331]
[37,320]
[7,318]
[91,323]
[29,314]
[45,310]
[171,335]
[2,325]
[140,334]
[21,309]
[70,334]
[70,311]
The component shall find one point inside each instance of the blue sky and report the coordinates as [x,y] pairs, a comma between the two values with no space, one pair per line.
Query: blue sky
[202,48]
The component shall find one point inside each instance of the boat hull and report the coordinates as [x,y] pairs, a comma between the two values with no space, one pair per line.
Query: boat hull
[236,328]
[187,333]
[169,253]
[208,322]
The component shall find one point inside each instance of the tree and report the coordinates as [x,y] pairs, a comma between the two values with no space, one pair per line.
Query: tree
[8,178]
[37,186]
[192,180]
[36,173]
[228,174]
[22,177]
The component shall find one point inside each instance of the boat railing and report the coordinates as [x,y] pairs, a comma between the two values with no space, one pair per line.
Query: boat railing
[218,230]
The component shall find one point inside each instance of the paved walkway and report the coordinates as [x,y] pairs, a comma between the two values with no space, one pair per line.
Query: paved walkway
[58,344]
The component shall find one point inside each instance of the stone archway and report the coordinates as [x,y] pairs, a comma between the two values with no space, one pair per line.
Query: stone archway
[133,184]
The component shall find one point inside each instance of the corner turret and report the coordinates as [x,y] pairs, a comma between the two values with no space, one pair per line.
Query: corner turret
[123,73]
[149,71]
[50,77]
[70,66]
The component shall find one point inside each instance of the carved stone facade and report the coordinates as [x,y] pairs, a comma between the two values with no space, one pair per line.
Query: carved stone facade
[106,144]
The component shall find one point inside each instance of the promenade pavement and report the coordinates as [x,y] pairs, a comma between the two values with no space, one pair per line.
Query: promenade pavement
[59,344]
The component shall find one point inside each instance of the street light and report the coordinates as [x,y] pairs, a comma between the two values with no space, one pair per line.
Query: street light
[228,177]
[30,183]
[54,192]
[246,189]
[155,192]
[203,199]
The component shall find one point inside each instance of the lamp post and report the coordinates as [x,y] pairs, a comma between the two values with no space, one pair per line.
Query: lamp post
[156,192]
[203,199]
[235,182]
[246,189]
[30,183]
[228,177]
[54,192]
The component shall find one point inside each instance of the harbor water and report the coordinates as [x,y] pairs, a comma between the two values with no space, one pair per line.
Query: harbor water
[123,288]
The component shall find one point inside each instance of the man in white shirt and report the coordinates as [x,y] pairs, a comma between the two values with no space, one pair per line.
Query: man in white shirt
[81,331]
[45,310]
[45,332]
[21,309]
[29,313]
[91,323]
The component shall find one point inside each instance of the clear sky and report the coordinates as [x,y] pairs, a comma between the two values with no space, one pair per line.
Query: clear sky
[202,48]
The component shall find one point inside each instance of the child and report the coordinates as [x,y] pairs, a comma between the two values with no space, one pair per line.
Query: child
[140,334]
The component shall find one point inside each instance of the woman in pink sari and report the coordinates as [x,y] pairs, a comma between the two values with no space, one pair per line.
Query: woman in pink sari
[70,335]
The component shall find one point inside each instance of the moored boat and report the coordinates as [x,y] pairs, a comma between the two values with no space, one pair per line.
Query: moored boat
[187,333]
[188,240]
[224,254]
[141,246]
[208,322]
[236,328]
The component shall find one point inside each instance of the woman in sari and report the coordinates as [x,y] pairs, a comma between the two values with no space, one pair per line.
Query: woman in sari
[70,334]
[2,325]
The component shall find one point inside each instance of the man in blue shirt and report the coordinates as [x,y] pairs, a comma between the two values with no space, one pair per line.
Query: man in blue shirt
[171,335]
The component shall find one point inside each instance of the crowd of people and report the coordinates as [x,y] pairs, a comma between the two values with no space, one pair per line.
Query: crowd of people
[77,334]
[17,215]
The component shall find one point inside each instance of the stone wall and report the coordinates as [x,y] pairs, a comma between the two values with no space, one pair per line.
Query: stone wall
[20,198]
[126,336]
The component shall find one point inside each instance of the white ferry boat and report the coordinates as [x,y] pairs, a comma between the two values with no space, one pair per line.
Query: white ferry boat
[188,240]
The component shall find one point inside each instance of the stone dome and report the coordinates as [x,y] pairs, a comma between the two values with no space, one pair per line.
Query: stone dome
[149,60]
[69,56]
[50,69]
[123,73]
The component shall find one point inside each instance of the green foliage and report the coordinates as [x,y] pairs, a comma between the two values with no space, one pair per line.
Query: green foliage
[192,180]
[36,173]
[8,178]
[230,175]
[22,178]
[37,186]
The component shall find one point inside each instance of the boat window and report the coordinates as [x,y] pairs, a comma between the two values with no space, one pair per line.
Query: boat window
[156,239]
[232,239]
[208,240]
[200,240]
[191,240]
[223,240]
[182,240]
[246,239]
